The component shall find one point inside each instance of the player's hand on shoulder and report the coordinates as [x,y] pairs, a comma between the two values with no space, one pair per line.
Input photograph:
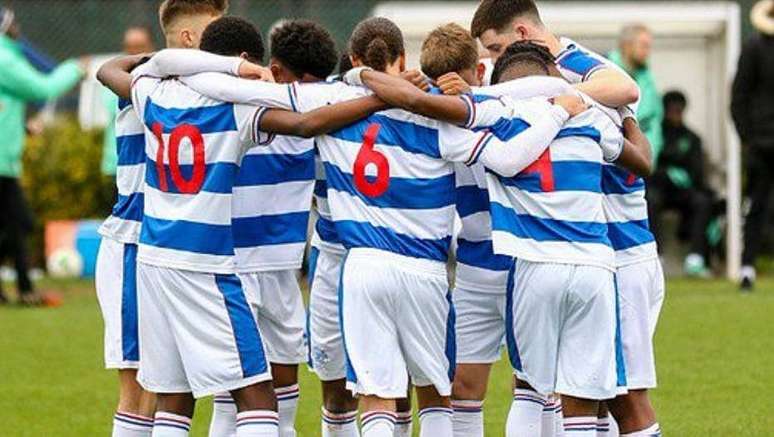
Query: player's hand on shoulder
[451,84]
[571,103]
[248,70]
[418,79]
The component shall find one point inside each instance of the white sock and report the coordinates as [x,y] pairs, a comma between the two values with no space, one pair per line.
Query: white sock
[170,425]
[436,421]
[131,425]
[377,424]
[287,403]
[524,419]
[403,424]
[339,424]
[468,419]
[548,418]
[603,426]
[257,423]
[224,412]
[581,426]
[558,417]
[614,431]
[651,431]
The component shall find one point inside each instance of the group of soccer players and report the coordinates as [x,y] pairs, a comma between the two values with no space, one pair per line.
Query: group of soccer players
[221,161]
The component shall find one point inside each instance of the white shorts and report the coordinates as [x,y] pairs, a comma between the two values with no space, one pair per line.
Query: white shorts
[280,314]
[326,349]
[480,326]
[398,322]
[198,333]
[563,335]
[641,295]
[116,282]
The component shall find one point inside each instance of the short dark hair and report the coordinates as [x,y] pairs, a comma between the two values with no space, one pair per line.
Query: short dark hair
[523,53]
[448,48]
[377,41]
[498,14]
[232,36]
[171,10]
[303,47]
[345,64]
[675,97]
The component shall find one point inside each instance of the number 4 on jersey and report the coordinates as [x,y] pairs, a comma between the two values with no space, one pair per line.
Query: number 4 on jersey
[544,169]
[367,155]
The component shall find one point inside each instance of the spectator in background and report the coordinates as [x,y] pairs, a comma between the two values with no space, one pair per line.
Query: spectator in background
[20,83]
[137,40]
[752,108]
[634,48]
[678,184]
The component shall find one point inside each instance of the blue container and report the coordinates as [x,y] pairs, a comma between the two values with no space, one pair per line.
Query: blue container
[87,244]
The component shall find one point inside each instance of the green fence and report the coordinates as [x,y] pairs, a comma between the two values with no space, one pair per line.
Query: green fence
[65,28]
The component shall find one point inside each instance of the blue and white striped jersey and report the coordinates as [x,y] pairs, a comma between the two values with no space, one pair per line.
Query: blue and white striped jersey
[392,189]
[272,200]
[625,205]
[391,178]
[194,146]
[325,236]
[478,267]
[553,210]
[123,225]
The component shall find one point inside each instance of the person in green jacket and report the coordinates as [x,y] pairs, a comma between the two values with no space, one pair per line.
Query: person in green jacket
[21,83]
[634,48]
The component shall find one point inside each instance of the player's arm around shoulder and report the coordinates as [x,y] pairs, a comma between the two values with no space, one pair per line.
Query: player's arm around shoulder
[636,154]
[116,75]
[610,87]
[319,121]
[403,94]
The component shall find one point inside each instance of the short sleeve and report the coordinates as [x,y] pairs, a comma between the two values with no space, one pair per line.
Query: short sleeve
[461,145]
[485,111]
[578,65]
[248,119]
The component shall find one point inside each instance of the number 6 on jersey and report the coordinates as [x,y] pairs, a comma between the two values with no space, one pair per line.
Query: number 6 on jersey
[367,155]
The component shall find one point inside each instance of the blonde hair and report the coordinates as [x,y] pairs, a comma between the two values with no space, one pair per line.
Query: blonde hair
[449,48]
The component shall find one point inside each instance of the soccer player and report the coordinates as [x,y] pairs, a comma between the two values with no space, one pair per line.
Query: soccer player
[272,203]
[379,43]
[480,275]
[198,334]
[500,23]
[424,104]
[183,23]
[412,245]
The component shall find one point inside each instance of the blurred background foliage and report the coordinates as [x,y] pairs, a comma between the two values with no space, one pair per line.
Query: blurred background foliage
[62,177]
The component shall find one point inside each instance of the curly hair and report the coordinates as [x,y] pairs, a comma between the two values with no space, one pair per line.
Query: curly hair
[378,42]
[304,47]
[232,36]
[523,53]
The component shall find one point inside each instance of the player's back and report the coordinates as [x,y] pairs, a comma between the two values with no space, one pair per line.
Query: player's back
[553,210]
[389,186]
[124,222]
[272,200]
[194,146]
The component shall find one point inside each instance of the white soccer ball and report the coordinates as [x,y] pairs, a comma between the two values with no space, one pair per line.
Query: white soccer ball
[65,263]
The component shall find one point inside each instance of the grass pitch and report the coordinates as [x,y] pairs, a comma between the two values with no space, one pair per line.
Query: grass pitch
[715,351]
